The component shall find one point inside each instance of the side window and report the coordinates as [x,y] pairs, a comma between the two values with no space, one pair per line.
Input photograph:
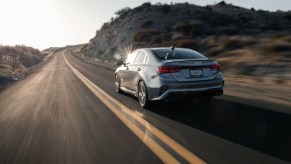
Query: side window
[146,59]
[131,57]
[140,58]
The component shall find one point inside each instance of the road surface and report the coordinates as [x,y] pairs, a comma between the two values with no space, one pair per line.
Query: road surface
[68,112]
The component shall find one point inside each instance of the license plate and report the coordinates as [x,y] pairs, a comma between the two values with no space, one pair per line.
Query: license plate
[196,73]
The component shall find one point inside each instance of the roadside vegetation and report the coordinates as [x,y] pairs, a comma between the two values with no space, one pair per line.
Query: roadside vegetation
[17,61]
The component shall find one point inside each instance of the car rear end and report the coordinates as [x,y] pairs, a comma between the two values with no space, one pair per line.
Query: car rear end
[186,75]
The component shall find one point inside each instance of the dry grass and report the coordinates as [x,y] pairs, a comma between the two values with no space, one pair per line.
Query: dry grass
[4,66]
[238,42]
[13,56]
[15,61]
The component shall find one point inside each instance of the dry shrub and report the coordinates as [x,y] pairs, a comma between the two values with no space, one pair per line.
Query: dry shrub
[288,39]
[165,8]
[186,43]
[278,36]
[124,11]
[214,52]
[147,23]
[4,66]
[190,28]
[144,36]
[156,40]
[13,56]
[145,6]
[246,69]
[236,43]
[280,47]
[85,47]
[168,43]
[211,40]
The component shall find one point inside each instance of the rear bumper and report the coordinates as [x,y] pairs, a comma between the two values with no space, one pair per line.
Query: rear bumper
[180,93]
[173,90]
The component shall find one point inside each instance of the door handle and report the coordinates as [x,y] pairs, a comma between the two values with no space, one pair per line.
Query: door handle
[138,69]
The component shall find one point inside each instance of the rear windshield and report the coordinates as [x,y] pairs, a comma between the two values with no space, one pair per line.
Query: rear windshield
[166,54]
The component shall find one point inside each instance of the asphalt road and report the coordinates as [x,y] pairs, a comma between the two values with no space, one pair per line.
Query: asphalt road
[53,117]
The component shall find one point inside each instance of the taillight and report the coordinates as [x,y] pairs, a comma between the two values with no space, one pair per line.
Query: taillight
[168,69]
[216,67]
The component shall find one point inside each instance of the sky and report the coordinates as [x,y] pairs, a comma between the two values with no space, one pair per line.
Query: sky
[55,23]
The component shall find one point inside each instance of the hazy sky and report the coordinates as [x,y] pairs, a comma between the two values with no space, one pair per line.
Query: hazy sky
[47,23]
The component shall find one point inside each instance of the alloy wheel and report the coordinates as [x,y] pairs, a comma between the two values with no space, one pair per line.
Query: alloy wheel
[142,94]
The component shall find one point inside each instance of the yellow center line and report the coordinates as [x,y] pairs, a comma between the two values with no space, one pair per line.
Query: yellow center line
[157,149]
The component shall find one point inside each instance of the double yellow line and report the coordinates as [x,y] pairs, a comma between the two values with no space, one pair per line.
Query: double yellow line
[121,111]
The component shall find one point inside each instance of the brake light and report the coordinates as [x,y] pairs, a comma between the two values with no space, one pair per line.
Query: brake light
[168,69]
[216,67]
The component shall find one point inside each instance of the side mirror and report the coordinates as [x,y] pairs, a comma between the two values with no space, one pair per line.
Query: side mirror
[120,62]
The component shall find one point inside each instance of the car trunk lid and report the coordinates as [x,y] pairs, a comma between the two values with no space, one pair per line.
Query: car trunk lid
[192,70]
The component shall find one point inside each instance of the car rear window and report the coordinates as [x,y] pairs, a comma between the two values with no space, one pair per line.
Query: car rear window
[166,54]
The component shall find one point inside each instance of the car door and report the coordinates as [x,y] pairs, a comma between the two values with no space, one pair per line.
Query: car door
[136,68]
[127,74]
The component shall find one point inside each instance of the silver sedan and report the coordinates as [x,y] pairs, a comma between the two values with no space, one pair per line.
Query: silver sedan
[154,74]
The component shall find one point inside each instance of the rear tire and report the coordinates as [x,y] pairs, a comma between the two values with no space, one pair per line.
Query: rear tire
[142,95]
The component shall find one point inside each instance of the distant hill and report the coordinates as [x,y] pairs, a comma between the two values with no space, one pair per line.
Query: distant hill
[246,41]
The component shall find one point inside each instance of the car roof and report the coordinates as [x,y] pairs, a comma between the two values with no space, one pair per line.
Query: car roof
[167,48]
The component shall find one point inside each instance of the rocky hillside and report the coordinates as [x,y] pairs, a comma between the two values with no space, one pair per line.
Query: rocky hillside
[246,41]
